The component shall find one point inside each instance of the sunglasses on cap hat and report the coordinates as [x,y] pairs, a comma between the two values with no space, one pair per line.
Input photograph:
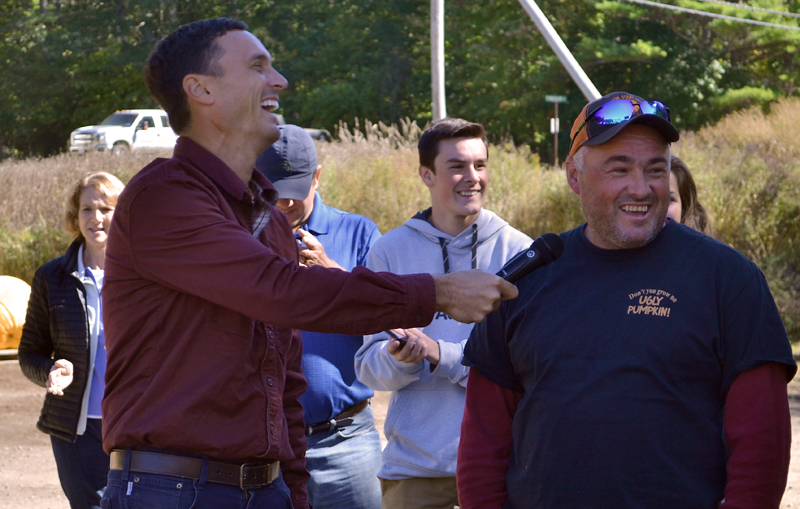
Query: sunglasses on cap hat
[616,111]
[621,110]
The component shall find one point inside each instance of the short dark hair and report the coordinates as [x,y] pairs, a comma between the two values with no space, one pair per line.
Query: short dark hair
[191,49]
[446,129]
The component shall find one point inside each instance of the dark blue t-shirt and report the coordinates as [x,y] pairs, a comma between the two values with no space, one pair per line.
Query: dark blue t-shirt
[625,358]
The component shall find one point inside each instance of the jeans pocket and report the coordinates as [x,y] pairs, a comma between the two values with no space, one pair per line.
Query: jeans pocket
[113,493]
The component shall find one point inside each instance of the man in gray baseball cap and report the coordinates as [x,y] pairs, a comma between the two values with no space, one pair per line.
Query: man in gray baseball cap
[291,165]
[344,448]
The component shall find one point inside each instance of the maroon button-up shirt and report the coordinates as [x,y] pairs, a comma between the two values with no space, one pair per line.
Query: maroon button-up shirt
[199,310]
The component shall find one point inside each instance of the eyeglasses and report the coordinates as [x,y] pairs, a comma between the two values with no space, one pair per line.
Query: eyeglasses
[621,110]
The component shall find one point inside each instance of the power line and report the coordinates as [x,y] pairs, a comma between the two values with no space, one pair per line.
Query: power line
[751,8]
[713,15]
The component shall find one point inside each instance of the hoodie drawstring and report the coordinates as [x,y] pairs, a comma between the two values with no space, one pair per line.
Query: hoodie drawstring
[475,245]
[446,258]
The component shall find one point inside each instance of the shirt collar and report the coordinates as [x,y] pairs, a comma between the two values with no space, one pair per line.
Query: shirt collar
[319,221]
[83,273]
[220,172]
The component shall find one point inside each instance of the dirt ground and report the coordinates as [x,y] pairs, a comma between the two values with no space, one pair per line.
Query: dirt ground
[28,477]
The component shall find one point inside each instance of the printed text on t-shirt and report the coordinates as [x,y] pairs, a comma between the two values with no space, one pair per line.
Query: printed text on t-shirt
[650,302]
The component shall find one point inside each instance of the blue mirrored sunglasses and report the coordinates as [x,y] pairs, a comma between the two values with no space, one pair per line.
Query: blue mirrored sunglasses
[620,110]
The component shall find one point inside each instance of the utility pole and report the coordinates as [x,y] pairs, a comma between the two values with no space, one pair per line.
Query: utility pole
[562,52]
[437,60]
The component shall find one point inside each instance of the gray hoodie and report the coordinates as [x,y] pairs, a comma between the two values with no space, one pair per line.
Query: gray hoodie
[423,424]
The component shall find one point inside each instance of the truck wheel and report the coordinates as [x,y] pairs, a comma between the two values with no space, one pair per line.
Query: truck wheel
[120,148]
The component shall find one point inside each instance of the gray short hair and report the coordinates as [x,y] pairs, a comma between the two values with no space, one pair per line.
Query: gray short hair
[580,158]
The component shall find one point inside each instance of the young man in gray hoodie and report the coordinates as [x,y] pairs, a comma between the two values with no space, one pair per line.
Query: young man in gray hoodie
[424,370]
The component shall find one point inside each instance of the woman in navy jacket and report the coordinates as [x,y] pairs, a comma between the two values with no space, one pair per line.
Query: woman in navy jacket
[63,342]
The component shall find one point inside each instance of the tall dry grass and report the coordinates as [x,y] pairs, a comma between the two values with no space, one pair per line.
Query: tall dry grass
[372,170]
[746,168]
[748,176]
[32,197]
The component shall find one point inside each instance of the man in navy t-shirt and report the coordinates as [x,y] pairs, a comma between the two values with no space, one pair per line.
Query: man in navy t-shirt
[646,368]
[344,447]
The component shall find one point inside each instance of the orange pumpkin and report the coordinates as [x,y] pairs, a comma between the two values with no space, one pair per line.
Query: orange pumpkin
[14,295]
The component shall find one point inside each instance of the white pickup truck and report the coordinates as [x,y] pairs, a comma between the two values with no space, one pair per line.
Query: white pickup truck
[125,130]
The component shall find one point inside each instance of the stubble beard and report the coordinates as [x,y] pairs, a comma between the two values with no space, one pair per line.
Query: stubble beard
[611,232]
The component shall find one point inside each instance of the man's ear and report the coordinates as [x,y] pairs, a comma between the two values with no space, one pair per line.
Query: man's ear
[315,178]
[572,175]
[197,88]
[426,174]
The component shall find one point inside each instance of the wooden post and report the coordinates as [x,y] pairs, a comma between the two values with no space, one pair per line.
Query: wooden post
[555,136]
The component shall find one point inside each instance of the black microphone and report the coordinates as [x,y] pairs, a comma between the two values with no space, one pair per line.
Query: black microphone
[544,250]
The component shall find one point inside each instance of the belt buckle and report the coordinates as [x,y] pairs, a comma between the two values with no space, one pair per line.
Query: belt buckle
[242,486]
[242,475]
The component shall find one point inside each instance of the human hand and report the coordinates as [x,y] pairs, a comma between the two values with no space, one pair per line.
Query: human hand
[417,346]
[313,253]
[469,295]
[60,377]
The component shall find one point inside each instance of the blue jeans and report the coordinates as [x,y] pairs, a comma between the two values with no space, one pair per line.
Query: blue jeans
[344,466]
[82,466]
[134,490]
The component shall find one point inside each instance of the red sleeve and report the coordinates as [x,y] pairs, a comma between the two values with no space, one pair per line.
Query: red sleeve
[759,436]
[485,446]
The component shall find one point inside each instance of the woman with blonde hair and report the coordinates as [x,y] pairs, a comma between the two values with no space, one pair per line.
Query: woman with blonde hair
[684,206]
[63,341]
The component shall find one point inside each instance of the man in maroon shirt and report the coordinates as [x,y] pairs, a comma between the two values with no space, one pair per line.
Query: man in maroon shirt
[203,291]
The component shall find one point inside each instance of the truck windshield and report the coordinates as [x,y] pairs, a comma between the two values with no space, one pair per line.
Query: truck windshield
[123,119]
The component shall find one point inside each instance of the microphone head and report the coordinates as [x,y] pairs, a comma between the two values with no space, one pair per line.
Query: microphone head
[549,246]
[544,250]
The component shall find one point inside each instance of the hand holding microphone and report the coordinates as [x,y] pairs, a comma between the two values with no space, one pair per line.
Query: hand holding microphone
[546,249]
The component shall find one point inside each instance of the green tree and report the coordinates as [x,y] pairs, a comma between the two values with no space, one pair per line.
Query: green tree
[70,63]
[65,65]
[349,59]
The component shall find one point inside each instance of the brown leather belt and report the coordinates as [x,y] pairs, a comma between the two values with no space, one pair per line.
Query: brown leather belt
[245,475]
[340,421]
